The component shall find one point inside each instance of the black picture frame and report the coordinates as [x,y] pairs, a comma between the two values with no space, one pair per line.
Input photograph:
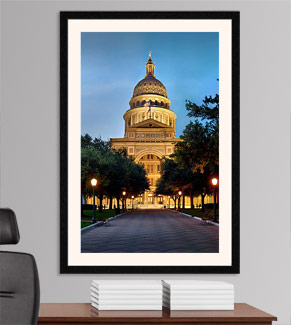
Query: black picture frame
[235,19]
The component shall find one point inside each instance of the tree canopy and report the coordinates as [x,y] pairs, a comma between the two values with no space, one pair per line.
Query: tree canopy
[196,158]
[201,136]
[114,171]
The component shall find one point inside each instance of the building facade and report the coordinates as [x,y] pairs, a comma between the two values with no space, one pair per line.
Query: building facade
[149,126]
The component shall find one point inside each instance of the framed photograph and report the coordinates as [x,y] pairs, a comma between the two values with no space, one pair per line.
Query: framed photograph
[149,142]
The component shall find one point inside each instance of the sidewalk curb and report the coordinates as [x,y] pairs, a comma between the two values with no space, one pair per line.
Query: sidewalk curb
[212,223]
[200,219]
[97,224]
[100,223]
[118,215]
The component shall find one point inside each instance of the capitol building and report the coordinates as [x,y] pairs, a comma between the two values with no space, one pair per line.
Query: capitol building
[149,133]
[149,136]
[149,130]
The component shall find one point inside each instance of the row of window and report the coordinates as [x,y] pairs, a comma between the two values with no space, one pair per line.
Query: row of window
[136,118]
[152,135]
[148,135]
[152,170]
[149,157]
[152,103]
[152,182]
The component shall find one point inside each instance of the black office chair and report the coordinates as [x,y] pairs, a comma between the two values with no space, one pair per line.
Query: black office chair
[19,283]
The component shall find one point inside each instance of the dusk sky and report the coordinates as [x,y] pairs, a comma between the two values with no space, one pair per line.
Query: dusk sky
[113,63]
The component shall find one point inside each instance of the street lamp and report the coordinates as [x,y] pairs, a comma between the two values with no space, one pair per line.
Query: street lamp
[132,201]
[123,201]
[94,184]
[179,205]
[214,183]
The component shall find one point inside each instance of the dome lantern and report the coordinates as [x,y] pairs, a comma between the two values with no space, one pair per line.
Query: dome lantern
[150,66]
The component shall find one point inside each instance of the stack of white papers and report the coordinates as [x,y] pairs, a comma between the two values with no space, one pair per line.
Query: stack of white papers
[198,295]
[127,294]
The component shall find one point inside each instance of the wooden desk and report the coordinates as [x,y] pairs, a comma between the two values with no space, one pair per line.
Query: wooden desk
[85,314]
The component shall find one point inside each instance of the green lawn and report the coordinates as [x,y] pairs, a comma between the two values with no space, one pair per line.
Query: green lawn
[208,214]
[88,214]
[85,224]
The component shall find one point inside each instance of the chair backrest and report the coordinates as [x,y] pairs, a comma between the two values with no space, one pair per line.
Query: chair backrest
[19,282]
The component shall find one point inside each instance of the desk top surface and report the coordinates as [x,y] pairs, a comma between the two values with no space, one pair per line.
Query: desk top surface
[84,312]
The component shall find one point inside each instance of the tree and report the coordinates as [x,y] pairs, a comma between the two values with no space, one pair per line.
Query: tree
[172,180]
[113,170]
[201,137]
[175,178]
[96,164]
[88,142]
[198,154]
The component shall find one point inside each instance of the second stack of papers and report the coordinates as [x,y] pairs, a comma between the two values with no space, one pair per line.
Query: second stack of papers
[198,295]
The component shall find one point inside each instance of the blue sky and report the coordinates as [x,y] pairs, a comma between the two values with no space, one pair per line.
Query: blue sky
[113,63]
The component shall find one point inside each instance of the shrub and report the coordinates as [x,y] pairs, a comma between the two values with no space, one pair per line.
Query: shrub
[211,206]
[88,206]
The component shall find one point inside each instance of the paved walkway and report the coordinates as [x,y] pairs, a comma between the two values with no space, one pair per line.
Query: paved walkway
[152,231]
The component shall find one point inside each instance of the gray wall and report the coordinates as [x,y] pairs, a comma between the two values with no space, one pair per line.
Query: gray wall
[30,144]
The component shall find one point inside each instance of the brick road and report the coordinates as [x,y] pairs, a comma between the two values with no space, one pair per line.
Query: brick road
[152,231]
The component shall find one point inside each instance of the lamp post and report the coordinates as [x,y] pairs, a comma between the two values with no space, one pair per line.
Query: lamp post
[123,201]
[179,203]
[94,184]
[214,183]
[132,198]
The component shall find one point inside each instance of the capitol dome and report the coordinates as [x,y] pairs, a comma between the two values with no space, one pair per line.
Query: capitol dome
[150,85]
[150,89]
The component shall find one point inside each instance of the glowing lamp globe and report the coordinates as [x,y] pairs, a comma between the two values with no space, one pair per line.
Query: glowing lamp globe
[93,181]
[214,181]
